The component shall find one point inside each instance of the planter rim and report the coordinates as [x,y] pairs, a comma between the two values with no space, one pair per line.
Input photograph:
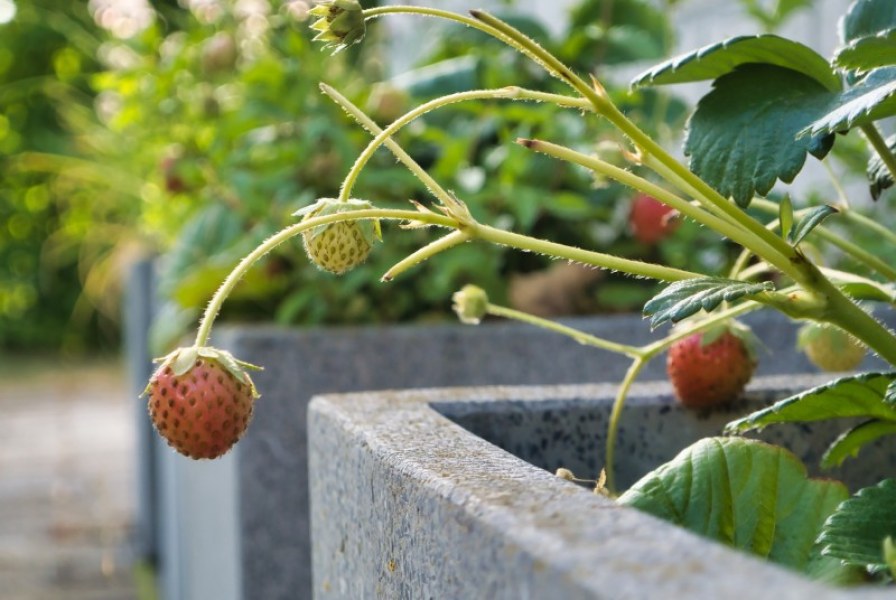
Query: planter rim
[606,549]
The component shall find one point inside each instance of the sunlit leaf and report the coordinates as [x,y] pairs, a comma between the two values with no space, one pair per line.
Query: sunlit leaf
[852,396]
[867,53]
[716,60]
[744,493]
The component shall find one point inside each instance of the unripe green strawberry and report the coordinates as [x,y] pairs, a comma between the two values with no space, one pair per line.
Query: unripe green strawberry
[200,400]
[830,348]
[342,246]
[710,368]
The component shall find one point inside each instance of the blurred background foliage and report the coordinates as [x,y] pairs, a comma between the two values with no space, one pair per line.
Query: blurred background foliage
[189,131]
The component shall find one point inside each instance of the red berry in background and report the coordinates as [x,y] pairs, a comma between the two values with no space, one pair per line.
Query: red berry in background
[650,220]
[174,182]
[200,400]
[710,368]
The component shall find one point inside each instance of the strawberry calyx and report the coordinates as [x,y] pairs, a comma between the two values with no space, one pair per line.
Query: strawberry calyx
[181,360]
[369,228]
[734,327]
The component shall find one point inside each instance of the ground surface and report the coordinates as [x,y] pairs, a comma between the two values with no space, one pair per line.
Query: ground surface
[66,482]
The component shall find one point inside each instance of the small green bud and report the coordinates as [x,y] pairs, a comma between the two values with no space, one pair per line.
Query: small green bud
[341,23]
[470,304]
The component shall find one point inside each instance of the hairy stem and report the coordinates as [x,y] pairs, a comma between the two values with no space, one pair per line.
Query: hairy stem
[506,93]
[587,257]
[451,240]
[581,337]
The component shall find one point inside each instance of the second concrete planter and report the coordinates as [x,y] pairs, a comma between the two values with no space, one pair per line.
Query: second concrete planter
[449,494]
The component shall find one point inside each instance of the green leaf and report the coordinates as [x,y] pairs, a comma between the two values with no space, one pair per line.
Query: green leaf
[716,60]
[862,288]
[871,99]
[741,138]
[867,17]
[852,396]
[685,298]
[745,493]
[867,53]
[856,531]
[852,440]
[809,222]
[879,175]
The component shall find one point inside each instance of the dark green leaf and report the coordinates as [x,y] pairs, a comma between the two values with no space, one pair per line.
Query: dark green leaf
[851,441]
[812,220]
[685,298]
[856,531]
[871,99]
[879,175]
[745,493]
[852,396]
[741,140]
[716,60]
[867,17]
[867,53]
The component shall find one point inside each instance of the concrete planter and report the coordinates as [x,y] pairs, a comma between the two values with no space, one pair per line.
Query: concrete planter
[449,494]
[238,527]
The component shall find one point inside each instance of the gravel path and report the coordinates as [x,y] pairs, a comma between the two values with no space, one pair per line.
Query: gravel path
[66,484]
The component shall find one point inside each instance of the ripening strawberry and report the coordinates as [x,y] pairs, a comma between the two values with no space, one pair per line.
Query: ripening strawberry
[830,348]
[341,246]
[200,400]
[650,220]
[710,368]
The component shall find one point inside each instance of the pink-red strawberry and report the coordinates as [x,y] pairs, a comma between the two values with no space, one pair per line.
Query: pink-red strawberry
[829,348]
[340,246]
[710,368]
[650,220]
[200,400]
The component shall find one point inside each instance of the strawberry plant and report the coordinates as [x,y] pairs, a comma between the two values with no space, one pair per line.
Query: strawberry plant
[773,103]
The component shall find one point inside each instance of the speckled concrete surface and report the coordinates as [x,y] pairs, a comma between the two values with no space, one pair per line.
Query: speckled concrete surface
[407,503]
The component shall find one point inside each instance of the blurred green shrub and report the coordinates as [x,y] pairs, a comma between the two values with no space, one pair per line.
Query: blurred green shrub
[201,134]
[47,52]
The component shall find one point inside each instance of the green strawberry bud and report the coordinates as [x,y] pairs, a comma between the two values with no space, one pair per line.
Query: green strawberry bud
[341,23]
[470,304]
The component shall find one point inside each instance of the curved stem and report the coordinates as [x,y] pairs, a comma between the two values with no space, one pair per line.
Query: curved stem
[507,93]
[367,123]
[725,227]
[426,252]
[581,337]
[615,416]
[214,305]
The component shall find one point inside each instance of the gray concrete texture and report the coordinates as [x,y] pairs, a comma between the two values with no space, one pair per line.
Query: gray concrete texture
[271,462]
[407,502]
